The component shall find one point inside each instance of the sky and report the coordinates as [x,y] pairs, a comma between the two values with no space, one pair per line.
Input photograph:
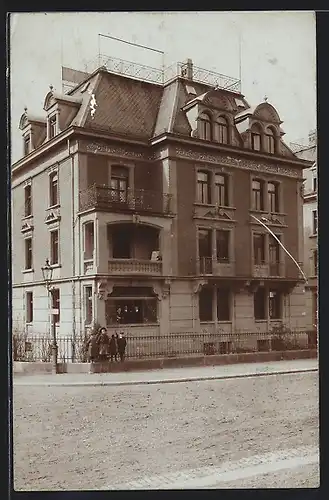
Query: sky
[278,55]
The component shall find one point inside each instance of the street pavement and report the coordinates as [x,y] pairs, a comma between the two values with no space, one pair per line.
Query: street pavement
[168,375]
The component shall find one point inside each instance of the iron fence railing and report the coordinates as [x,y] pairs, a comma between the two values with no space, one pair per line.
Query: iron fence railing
[38,348]
[135,200]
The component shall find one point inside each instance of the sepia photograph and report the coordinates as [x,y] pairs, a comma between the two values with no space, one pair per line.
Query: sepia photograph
[164,250]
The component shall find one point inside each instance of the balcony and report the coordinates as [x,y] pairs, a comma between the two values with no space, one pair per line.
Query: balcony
[134,266]
[132,200]
[268,270]
[210,266]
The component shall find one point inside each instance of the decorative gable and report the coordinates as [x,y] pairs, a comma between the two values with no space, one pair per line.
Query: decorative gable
[26,227]
[52,217]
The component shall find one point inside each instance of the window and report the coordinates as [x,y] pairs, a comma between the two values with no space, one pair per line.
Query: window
[54,247]
[315,262]
[221,130]
[274,256]
[260,303]
[133,305]
[27,143]
[203,188]
[222,245]
[223,304]
[205,304]
[122,242]
[53,189]
[88,305]
[273,197]
[56,303]
[205,127]
[315,221]
[119,184]
[52,126]
[256,138]
[221,190]
[314,181]
[28,253]
[29,307]
[89,240]
[270,141]
[205,250]
[257,195]
[28,200]
[275,304]
[259,248]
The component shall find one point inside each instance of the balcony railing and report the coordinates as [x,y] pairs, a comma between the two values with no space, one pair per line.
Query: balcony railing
[132,200]
[134,266]
[206,265]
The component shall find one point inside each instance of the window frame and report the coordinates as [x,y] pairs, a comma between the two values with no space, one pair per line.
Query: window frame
[205,188]
[314,183]
[314,222]
[270,141]
[205,121]
[88,303]
[119,193]
[29,307]
[53,176]
[315,261]
[52,126]
[257,195]
[28,253]
[273,197]
[221,130]
[52,233]
[86,250]
[260,308]
[228,305]
[206,315]
[222,190]
[27,144]
[28,200]
[275,301]
[223,259]
[259,236]
[256,135]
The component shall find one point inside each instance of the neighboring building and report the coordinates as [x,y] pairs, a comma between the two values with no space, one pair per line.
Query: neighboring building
[310,216]
[142,196]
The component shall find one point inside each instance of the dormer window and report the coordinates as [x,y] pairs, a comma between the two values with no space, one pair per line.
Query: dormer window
[52,126]
[27,144]
[270,141]
[221,130]
[255,138]
[205,127]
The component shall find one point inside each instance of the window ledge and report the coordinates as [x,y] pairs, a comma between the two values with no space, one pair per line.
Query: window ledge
[260,320]
[126,325]
[52,207]
[27,217]
[213,205]
[259,211]
[29,323]
[314,235]
[224,322]
[25,271]
[55,266]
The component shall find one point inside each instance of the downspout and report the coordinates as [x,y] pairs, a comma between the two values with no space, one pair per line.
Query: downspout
[73,252]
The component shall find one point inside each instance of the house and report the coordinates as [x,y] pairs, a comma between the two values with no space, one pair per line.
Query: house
[143,196]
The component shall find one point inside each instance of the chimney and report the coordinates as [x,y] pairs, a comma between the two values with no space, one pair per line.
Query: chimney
[187,70]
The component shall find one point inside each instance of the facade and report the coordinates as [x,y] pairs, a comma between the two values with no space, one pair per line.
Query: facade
[142,195]
[308,152]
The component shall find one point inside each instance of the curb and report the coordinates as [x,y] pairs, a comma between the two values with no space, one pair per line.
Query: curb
[163,381]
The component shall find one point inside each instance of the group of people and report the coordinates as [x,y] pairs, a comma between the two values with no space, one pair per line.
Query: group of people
[101,347]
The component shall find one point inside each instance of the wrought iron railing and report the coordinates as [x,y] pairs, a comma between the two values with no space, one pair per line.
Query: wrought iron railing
[136,200]
[164,75]
[38,348]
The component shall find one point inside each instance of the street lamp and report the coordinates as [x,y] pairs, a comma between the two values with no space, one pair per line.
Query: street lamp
[47,273]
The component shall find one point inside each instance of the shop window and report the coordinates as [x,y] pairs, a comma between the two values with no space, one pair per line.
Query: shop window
[134,305]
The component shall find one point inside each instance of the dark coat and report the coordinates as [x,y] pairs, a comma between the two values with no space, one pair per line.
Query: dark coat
[92,345]
[113,345]
[103,342]
[122,342]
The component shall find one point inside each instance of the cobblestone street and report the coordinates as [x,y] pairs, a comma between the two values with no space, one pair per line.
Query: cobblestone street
[105,437]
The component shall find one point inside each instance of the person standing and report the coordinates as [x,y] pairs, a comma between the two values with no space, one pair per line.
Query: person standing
[92,347]
[113,348]
[103,342]
[122,342]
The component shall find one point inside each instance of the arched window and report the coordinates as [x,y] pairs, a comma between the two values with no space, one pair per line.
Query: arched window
[270,140]
[256,138]
[221,130]
[205,127]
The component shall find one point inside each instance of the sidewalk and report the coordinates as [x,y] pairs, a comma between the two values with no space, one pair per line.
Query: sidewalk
[168,375]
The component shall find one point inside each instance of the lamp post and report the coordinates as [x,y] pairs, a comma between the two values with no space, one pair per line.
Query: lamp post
[47,273]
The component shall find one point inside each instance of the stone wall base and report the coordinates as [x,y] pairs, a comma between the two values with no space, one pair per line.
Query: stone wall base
[159,363]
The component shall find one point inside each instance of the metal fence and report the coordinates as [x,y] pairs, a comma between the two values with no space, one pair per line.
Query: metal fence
[38,348]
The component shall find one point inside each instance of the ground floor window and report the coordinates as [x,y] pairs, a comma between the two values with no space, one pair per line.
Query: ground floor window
[267,303]
[275,304]
[131,305]
[88,305]
[222,298]
[260,303]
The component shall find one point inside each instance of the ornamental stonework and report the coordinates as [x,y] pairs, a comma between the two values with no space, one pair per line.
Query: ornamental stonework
[236,162]
[98,147]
